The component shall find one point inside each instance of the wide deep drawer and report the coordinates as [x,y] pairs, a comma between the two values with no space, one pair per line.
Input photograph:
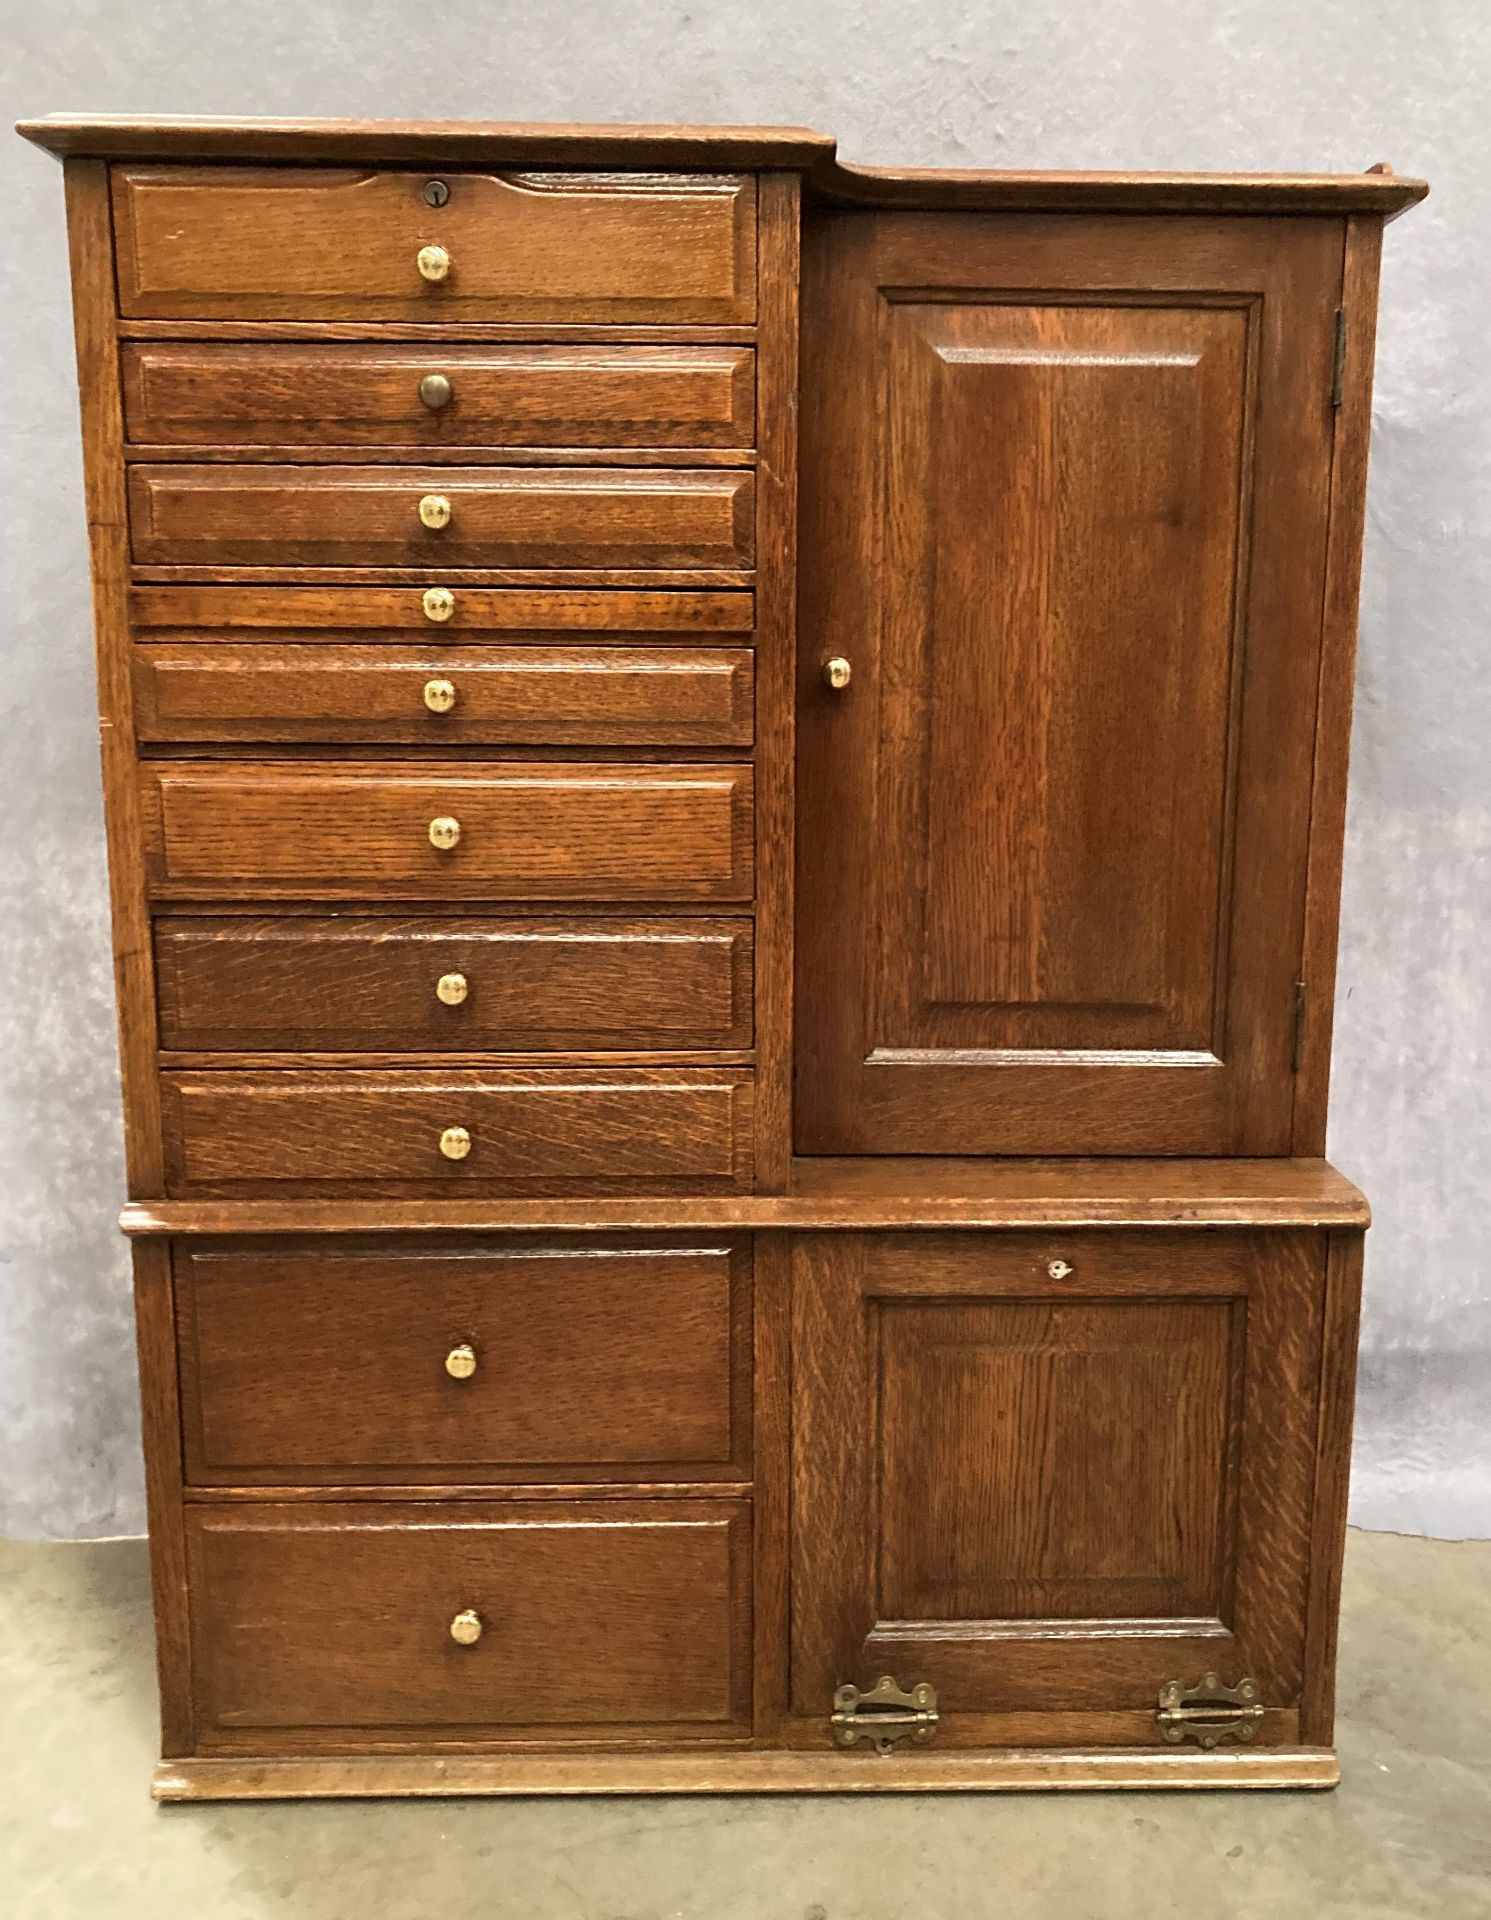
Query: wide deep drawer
[321,243]
[460,615]
[621,1620]
[440,517]
[580,1360]
[515,829]
[519,1131]
[188,393]
[349,985]
[429,696]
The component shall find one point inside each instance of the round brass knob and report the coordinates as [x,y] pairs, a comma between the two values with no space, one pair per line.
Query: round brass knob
[434,510]
[460,1362]
[440,695]
[435,391]
[455,1143]
[1060,1269]
[451,989]
[439,603]
[837,673]
[444,832]
[433,263]
[465,1629]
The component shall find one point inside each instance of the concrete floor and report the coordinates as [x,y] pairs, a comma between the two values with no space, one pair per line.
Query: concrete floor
[1407,1834]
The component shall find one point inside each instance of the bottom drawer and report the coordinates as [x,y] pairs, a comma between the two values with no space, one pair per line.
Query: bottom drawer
[609,1621]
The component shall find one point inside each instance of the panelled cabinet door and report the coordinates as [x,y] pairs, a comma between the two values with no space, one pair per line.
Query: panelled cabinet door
[1065,499]
[1048,1475]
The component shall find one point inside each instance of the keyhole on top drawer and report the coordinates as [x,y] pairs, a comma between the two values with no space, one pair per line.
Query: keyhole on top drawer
[435,194]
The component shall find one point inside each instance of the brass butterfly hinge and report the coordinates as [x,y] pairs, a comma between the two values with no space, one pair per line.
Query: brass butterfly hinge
[1209,1713]
[884,1715]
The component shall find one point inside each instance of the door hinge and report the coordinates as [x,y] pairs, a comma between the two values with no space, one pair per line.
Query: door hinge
[884,1715]
[1297,1026]
[1338,359]
[1209,1713]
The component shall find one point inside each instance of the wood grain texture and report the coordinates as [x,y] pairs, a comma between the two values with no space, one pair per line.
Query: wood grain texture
[499,516]
[377,1134]
[303,1364]
[524,696]
[557,831]
[436,1776]
[1072,1489]
[306,613]
[847,1195]
[1353,427]
[266,243]
[330,1626]
[160,1434]
[1087,939]
[103,488]
[357,985]
[188,394]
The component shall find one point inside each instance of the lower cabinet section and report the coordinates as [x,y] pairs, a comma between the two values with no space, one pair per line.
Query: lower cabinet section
[1048,1475]
[357,1627]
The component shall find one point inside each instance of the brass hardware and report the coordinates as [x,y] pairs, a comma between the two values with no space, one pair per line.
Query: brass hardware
[884,1715]
[444,832]
[460,1362]
[451,989]
[433,263]
[1060,1270]
[455,1143]
[435,391]
[465,1629]
[1209,1713]
[439,603]
[440,695]
[1338,359]
[434,193]
[837,673]
[434,510]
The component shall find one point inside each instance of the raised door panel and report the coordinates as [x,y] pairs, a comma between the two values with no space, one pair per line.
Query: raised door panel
[325,243]
[1066,504]
[1048,1474]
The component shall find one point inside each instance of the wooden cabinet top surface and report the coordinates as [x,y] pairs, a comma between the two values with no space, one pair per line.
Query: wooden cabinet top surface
[800,149]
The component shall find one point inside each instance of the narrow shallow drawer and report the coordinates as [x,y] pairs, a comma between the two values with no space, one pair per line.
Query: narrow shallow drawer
[322,243]
[459,615]
[560,830]
[625,1620]
[192,393]
[519,1131]
[311,985]
[579,1360]
[440,517]
[429,696]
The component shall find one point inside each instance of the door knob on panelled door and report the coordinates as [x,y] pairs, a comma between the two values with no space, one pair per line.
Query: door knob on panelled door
[837,673]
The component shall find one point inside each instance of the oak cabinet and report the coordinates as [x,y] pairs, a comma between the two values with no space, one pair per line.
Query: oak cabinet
[725,777]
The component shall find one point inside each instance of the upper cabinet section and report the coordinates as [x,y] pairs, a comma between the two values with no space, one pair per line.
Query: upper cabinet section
[1065,498]
[350,244]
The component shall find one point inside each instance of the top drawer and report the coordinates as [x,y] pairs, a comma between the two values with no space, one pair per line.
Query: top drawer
[312,243]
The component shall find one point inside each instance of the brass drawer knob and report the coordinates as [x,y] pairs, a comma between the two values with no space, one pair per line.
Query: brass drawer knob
[460,1362]
[435,391]
[444,832]
[440,695]
[451,989]
[455,1143]
[465,1629]
[439,603]
[433,263]
[837,673]
[434,510]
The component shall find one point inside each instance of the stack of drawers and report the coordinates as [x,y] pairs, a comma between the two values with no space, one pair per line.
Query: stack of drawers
[442,523]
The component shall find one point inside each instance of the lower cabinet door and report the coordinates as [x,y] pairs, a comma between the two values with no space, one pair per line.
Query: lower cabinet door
[1049,1475]
[351,1626]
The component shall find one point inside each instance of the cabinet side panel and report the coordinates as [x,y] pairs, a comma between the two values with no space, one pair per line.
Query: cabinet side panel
[160,1419]
[91,246]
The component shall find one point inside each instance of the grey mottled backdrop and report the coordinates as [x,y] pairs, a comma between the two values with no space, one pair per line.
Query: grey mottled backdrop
[1251,84]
